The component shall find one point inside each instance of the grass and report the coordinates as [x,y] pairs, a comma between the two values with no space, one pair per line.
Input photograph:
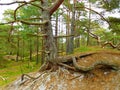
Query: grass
[93,48]
[86,49]
[15,69]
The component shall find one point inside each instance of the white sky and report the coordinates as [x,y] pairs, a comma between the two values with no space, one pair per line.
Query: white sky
[4,7]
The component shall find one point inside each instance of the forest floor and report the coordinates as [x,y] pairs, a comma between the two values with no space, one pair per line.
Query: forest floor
[100,78]
[10,70]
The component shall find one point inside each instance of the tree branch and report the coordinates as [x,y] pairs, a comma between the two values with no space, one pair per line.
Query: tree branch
[111,44]
[94,36]
[96,13]
[55,6]
[15,2]
[26,22]
[26,4]
[34,23]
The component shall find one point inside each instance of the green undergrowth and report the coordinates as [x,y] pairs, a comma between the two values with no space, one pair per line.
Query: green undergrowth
[14,69]
[93,49]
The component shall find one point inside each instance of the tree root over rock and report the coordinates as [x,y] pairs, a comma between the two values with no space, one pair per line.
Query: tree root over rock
[71,63]
[34,78]
[91,67]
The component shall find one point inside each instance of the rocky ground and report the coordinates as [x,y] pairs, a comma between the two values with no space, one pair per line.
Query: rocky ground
[101,77]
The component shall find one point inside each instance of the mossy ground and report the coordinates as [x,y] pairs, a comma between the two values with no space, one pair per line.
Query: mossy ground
[10,70]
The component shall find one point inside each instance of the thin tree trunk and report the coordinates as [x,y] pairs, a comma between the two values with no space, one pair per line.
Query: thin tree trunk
[23,44]
[67,32]
[77,33]
[88,36]
[43,53]
[30,46]
[71,44]
[18,45]
[37,58]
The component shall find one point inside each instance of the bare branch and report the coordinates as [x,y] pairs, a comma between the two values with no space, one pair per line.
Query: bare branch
[15,2]
[25,22]
[22,20]
[35,23]
[55,6]
[17,9]
[63,36]
[103,18]
[39,18]
[109,43]
[24,5]
[8,22]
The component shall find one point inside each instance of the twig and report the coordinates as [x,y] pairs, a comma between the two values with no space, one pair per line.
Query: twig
[75,77]
[2,78]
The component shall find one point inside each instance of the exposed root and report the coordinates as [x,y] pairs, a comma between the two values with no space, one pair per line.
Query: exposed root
[22,77]
[67,59]
[91,67]
[75,67]
[67,66]
[72,65]
[34,78]
[44,67]
[61,61]
[86,72]
[85,55]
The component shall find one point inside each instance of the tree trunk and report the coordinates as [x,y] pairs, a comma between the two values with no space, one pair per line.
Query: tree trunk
[71,44]
[88,36]
[18,46]
[49,43]
[56,30]
[30,47]
[23,49]
[37,49]
[67,32]
[77,41]
[70,40]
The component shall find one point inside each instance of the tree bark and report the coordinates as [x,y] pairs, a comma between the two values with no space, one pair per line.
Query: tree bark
[56,30]
[30,47]
[18,46]
[89,26]
[49,42]
[70,47]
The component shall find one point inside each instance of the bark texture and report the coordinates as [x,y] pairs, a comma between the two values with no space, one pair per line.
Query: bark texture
[49,43]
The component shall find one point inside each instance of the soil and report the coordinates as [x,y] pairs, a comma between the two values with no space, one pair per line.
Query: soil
[100,78]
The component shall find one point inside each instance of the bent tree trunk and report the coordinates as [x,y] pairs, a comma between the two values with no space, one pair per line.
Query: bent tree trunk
[49,42]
